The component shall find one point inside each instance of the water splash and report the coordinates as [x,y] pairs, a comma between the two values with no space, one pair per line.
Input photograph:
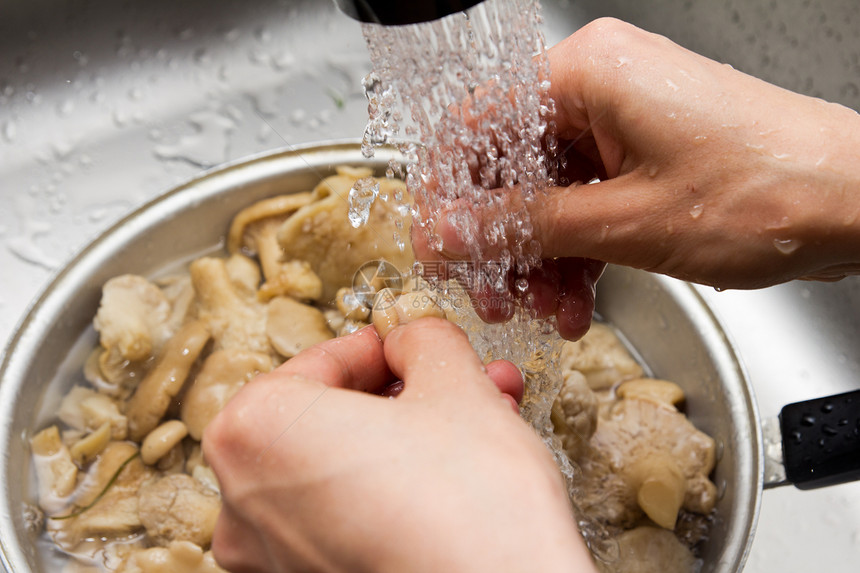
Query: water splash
[361,198]
[465,99]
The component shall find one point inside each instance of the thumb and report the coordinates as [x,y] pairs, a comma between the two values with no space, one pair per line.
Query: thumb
[433,357]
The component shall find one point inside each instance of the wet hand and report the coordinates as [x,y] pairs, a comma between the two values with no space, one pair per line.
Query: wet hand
[320,473]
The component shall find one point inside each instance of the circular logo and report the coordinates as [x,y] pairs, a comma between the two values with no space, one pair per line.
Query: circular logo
[372,277]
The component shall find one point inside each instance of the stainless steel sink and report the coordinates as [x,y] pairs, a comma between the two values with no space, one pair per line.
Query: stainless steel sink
[105,104]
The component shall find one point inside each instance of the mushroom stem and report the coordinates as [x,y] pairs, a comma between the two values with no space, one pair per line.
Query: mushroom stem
[153,396]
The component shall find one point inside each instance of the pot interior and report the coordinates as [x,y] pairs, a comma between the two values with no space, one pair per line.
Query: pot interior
[665,320]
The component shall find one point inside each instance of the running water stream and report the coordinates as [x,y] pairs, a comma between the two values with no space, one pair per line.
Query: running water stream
[466,100]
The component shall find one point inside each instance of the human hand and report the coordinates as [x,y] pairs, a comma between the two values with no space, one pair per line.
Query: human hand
[707,174]
[318,473]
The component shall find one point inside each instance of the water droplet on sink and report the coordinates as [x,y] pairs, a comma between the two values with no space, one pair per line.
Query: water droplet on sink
[66,108]
[263,35]
[283,61]
[10,131]
[24,247]
[120,118]
[206,146]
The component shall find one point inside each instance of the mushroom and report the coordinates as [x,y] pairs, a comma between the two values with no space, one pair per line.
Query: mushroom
[177,557]
[152,398]
[350,305]
[391,309]
[278,206]
[131,320]
[574,413]
[222,375]
[105,502]
[91,445]
[601,357]
[56,473]
[234,321]
[293,326]
[196,466]
[648,549]
[177,507]
[244,273]
[660,391]
[86,410]
[161,441]
[321,233]
[180,293]
[254,231]
[647,456]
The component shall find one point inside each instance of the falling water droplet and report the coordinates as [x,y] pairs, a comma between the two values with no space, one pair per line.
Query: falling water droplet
[361,198]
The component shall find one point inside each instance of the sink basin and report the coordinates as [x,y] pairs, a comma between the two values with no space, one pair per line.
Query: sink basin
[104,105]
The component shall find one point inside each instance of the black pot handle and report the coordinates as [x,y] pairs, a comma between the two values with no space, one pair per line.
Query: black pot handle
[821,440]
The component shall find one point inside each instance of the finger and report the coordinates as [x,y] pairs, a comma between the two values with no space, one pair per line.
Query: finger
[541,295]
[355,362]
[576,297]
[507,378]
[492,306]
[505,375]
[235,543]
[433,357]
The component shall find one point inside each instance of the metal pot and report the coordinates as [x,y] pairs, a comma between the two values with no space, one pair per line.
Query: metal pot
[665,320]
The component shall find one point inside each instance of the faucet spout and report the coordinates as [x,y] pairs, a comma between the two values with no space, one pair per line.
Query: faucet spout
[400,12]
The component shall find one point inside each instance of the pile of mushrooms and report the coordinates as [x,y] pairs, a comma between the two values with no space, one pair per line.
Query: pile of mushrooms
[644,465]
[121,478]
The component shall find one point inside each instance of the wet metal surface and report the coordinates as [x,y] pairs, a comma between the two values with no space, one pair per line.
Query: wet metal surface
[105,104]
